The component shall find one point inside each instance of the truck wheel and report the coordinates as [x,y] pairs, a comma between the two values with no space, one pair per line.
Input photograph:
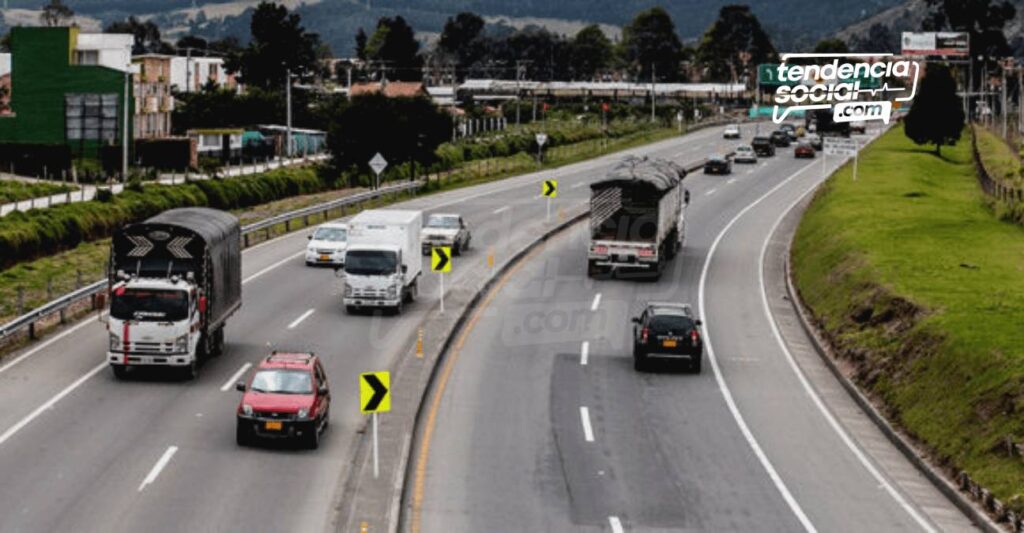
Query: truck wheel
[218,341]
[397,309]
[413,292]
[639,363]
[120,371]
[457,248]
[190,371]
[351,309]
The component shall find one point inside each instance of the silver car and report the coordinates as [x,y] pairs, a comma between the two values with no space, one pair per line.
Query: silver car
[444,229]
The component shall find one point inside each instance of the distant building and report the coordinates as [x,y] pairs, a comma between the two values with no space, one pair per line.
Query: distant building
[391,89]
[224,144]
[67,95]
[191,74]
[153,100]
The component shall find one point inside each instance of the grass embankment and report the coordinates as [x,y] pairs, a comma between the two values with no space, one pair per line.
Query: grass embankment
[60,271]
[921,287]
[999,159]
[16,191]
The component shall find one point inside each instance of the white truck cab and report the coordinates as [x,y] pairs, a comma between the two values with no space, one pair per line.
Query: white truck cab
[153,321]
[383,261]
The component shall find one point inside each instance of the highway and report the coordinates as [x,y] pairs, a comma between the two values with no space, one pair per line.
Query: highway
[543,425]
[80,451]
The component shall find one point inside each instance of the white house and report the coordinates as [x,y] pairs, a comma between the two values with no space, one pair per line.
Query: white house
[112,50]
[190,74]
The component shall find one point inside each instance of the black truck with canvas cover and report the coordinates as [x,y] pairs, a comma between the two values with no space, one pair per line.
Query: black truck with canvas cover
[637,220]
[174,280]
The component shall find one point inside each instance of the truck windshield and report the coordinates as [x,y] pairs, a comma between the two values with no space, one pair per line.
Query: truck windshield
[282,382]
[370,262]
[150,305]
[330,234]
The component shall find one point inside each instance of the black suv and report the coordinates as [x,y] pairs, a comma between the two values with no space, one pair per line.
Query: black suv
[780,138]
[667,331]
[718,164]
[763,146]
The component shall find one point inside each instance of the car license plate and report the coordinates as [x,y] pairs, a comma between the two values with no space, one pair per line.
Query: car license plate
[668,343]
[325,257]
[274,425]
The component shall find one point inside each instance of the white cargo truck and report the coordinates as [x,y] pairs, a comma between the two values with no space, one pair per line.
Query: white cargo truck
[383,261]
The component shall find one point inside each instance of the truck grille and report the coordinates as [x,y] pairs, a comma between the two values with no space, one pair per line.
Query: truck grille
[150,347]
[274,415]
[369,293]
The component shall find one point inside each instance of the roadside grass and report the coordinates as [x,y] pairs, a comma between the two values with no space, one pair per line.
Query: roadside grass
[61,270]
[16,191]
[921,287]
[1001,162]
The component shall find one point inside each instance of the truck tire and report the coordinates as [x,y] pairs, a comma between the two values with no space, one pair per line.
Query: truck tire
[120,371]
[397,309]
[218,341]
[413,292]
[457,248]
[351,309]
[190,371]
[595,271]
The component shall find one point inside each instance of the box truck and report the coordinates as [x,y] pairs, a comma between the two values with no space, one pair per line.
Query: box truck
[383,261]
[174,281]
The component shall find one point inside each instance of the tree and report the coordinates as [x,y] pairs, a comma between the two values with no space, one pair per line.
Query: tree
[147,35]
[831,46]
[462,39]
[650,41]
[590,52]
[56,14]
[279,43]
[192,41]
[361,39]
[734,46]
[394,45]
[937,115]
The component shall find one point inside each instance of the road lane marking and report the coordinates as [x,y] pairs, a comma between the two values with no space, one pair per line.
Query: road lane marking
[501,209]
[731,181]
[712,191]
[780,485]
[45,345]
[584,352]
[235,377]
[50,403]
[813,394]
[299,320]
[588,431]
[578,185]
[616,524]
[272,267]
[158,467]
[597,302]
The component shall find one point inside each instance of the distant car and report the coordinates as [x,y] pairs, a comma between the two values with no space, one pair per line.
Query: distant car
[745,154]
[667,331]
[858,126]
[732,131]
[803,149]
[717,164]
[287,398]
[445,230]
[814,140]
[763,146]
[780,138]
[327,245]
[790,130]
[812,127]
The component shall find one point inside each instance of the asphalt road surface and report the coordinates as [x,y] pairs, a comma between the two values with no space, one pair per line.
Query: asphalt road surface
[544,425]
[80,451]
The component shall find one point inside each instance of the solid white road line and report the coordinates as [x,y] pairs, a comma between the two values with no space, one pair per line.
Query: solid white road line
[616,524]
[588,431]
[596,302]
[235,377]
[501,209]
[731,181]
[780,485]
[50,403]
[584,352]
[299,320]
[813,394]
[158,467]
[578,185]
[712,191]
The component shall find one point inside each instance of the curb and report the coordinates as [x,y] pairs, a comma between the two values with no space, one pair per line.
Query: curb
[906,448]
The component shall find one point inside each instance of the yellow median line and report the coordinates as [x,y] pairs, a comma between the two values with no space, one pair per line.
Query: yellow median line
[449,364]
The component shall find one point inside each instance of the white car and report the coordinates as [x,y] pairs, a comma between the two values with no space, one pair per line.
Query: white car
[445,229]
[732,131]
[745,154]
[858,126]
[327,245]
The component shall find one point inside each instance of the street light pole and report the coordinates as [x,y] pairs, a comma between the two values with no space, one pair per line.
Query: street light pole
[288,113]
[124,132]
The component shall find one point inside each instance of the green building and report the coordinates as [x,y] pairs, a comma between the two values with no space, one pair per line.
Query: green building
[67,96]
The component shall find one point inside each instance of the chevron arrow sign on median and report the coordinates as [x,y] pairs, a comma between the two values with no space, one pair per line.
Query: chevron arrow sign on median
[375,392]
[441,259]
[550,188]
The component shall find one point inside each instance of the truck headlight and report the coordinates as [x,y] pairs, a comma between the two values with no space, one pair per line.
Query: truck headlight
[348,290]
[392,291]
[181,343]
[115,342]
[303,413]
[247,409]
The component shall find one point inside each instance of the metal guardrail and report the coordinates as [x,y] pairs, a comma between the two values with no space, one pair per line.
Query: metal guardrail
[61,304]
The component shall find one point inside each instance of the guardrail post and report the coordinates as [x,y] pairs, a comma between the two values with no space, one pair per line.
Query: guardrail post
[245,240]
[32,330]
[287,226]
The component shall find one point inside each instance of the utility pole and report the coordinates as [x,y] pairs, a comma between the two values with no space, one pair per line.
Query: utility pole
[288,112]
[348,76]
[124,133]
[1020,98]
[1002,110]
[653,81]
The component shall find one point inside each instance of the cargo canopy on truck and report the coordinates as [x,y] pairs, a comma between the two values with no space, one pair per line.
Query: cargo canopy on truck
[654,177]
[637,201]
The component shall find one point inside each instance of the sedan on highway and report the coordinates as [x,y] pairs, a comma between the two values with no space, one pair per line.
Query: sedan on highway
[445,230]
[287,398]
[717,164]
[803,149]
[745,154]
[780,138]
[790,130]
[327,245]
[732,131]
[667,331]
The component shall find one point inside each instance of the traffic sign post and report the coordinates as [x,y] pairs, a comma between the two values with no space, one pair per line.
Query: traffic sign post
[542,138]
[550,190]
[441,262]
[378,164]
[375,397]
[842,146]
